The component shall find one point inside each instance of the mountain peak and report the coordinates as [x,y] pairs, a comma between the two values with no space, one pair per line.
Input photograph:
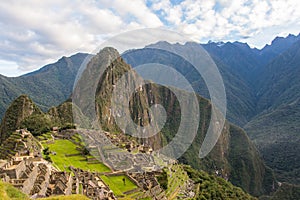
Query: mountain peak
[278,46]
[109,51]
[21,108]
[242,44]
[159,44]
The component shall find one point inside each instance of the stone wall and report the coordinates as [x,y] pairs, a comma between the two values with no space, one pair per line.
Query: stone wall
[45,183]
[69,186]
[20,168]
[28,184]
[14,171]
[4,177]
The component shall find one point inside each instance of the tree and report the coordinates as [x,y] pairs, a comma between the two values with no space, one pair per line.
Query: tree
[46,151]
[48,158]
[37,124]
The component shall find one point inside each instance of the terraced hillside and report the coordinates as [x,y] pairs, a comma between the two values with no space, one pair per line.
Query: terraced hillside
[69,154]
[17,142]
[246,169]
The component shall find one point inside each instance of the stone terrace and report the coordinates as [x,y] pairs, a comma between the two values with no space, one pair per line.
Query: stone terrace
[91,185]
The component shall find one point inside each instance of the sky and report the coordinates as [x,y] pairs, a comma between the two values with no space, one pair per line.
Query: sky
[35,33]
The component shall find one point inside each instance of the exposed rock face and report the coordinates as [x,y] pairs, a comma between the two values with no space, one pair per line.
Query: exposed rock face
[234,157]
[139,102]
[84,91]
[20,109]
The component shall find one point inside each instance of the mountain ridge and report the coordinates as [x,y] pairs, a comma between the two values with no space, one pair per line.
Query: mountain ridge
[47,86]
[241,84]
[150,94]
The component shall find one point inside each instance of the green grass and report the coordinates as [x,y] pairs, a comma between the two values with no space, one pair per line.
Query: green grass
[45,136]
[213,187]
[69,197]
[116,184]
[8,192]
[63,147]
[78,138]
[175,180]
[80,188]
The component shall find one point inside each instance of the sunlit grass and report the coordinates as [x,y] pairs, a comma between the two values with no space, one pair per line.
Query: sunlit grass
[62,147]
[68,197]
[8,192]
[117,185]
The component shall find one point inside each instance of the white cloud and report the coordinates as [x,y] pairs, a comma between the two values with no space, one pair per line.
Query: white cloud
[10,69]
[34,33]
[134,11]
[175,15]
[232,19]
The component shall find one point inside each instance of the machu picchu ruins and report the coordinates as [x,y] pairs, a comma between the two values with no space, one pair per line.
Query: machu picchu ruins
[27,167]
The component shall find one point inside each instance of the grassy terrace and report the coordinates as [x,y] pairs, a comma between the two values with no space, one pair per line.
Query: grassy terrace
[176,179]
[117,185]
[64,147]
[69,197]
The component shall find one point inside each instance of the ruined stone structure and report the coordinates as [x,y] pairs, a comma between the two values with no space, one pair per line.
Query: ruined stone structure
[60,183]
[36,177]
[28,175]
[146,180]
[41,181]
[92,185]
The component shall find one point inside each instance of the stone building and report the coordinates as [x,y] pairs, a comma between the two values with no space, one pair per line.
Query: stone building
[20,173]
[92,185]
[60,183]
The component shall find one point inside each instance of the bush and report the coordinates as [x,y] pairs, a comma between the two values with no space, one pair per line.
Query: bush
[48,158]
[163,180]
[46,151]
[37,124]
[67,126]
[85,151]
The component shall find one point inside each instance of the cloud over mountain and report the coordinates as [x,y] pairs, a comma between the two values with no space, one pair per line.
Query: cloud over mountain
[34,33]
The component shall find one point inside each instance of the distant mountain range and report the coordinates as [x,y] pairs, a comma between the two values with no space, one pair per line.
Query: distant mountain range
[262,88]
[273,117]
[234,157]
[48,86]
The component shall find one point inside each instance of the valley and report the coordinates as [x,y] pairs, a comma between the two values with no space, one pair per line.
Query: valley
[41,136]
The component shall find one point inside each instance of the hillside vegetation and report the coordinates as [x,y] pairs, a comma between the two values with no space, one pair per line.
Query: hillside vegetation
[276,130]
[8,192]
[234,155]
[47,87]
[287,191]
[23,113]
[212,187]
[20,109]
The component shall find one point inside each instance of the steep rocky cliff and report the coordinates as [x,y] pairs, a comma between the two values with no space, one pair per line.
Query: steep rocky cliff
[234,157]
